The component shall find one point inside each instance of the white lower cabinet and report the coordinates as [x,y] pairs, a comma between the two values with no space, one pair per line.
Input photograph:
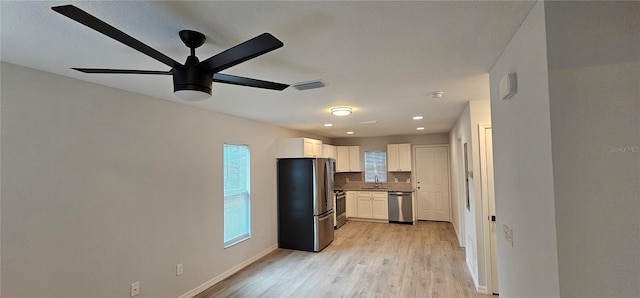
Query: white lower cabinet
[352,204]
[364,205]
[367,205]
[379,206]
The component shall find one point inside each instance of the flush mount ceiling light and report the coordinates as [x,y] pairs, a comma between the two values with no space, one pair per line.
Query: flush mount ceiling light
[436,94]
[192,95]
[328,124]
[420,128]
[417,117]
[349,132]
[341,111]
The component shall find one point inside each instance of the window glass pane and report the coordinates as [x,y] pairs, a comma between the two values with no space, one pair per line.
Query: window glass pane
[237,206]
[375,165]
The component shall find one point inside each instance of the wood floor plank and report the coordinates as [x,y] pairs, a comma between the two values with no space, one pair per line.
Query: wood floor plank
[365,260]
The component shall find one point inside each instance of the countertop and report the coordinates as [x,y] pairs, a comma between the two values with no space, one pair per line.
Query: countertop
[376,189]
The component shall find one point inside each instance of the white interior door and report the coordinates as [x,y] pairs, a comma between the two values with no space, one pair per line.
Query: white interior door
[492,209]
[432,183]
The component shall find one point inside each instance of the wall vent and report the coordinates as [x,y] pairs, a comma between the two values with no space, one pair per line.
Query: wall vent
[308,85]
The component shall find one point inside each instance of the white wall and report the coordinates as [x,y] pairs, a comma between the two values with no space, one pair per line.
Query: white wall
[102,188]
[523,168]
[470,222]
[593,53]
[459,135]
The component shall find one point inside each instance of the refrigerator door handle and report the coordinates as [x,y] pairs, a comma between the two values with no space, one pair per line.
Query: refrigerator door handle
[326,184]
[326,216]
[315,187]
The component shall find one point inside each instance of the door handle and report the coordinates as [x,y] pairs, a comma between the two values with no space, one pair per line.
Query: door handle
[492,218]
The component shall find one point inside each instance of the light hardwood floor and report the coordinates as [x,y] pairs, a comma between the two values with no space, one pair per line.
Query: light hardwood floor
[365,260]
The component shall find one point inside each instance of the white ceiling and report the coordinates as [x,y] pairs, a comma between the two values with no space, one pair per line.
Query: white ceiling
[381,58]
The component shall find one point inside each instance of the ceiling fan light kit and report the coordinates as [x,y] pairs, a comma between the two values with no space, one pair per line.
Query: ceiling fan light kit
[193,80]
[341,111]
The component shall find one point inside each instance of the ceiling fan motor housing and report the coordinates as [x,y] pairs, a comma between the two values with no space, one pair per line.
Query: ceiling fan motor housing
[192,78]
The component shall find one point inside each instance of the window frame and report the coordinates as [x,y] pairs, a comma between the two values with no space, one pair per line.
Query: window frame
[382,176]
[234,193]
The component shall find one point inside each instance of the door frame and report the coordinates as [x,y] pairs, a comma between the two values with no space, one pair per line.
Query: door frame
[461,198]
[415,167]
[485,207]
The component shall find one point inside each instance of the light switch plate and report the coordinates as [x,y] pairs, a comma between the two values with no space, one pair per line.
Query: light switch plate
[508,234]
[179,269]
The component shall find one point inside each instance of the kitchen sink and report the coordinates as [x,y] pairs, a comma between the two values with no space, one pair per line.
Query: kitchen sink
[374,188]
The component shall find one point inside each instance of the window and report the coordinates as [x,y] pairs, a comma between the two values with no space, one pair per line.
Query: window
[375,165]
[237,203]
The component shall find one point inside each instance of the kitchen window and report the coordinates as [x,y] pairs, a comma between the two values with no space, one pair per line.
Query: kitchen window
[375,166]
[237,203]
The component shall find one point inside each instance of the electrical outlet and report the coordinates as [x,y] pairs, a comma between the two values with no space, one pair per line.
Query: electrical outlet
[135,289]
[179,269]
[508,234]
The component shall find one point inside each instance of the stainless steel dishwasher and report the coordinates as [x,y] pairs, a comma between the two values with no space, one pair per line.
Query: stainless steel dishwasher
[400,207]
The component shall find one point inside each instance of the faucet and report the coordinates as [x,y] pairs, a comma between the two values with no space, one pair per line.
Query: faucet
[377,182]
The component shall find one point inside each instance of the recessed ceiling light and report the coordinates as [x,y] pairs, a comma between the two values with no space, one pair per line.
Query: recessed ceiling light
[420,128]
[417,117]
[436,94]
[341,111]
[328,124]
[349,132]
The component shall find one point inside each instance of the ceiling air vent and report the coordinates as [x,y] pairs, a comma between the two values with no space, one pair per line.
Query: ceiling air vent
[308,85]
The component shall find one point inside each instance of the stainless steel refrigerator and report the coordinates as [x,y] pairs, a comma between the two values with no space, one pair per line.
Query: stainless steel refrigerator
[305,203]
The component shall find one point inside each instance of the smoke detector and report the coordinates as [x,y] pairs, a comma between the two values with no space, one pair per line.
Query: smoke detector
[436,94]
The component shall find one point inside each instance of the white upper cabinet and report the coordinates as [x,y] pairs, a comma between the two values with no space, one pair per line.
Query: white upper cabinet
[329,151]
[399,157]
[348,159]
[299,147]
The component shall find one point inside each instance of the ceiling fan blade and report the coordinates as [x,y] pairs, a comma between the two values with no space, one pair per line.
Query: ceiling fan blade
[249,49]
[236,80]
[122,71]
[92,22]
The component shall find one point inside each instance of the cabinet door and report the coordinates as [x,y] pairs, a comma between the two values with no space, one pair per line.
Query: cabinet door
[329,151]
[364,205]
[342,159]
[317,148]
[392,158]
[354,159]
[352,204]
[380,209]
[308,148]
[404,157]
[312,148]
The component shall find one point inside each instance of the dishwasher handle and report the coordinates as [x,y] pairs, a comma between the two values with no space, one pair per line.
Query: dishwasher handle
[399,193]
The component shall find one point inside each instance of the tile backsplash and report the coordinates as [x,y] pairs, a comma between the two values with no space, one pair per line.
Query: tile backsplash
[356,180]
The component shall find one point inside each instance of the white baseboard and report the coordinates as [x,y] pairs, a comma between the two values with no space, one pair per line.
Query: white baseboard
[197,290]
[483,290]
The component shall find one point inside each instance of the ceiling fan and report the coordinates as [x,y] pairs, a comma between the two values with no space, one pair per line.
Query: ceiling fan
[193,79]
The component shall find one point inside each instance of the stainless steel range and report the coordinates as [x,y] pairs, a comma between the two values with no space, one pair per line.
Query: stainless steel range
[341,208]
